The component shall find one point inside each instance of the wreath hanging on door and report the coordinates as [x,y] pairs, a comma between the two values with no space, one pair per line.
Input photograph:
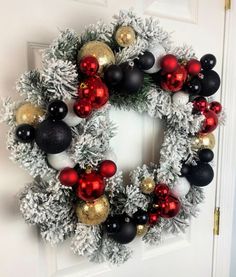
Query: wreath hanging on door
[60,134]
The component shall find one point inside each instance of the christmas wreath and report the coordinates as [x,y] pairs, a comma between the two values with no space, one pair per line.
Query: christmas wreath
[60,134]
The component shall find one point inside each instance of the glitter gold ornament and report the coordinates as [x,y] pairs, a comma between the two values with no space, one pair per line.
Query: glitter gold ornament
[100,50]
[93,212]
[125,36]
[29,113]
[147,185]
[203,141]
[142,230]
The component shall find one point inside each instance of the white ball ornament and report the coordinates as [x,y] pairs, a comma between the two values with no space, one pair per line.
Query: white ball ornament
[71,119]
[181,187]
[180,98]
[158,52]
[60,160]
[110,155]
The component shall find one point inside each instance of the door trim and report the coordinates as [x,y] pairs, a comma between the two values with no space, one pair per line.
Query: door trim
[226,173]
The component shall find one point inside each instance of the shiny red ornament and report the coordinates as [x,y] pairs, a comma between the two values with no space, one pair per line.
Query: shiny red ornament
[95,90]
[153,218]
[174,81]
[89,65]
[107,168]
[90,186]
[200,104]
[169,63]
[193,67]
[83,108]
[169,207]
[215,107]
[210,123]
[161,191]
[68,177]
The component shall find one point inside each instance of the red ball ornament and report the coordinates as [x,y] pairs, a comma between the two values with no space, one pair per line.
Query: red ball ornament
[95,90]
[107,168]
[83,90]
[90,186]
[174,81]
[210,123]
[200,104]
[83,108]
[215,107]
[161,191]
[169,63]
[153,218]
[169,207]
[193,67]
[89,65]
[68,177]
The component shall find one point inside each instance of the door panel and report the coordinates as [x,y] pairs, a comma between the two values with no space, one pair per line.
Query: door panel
[26,28]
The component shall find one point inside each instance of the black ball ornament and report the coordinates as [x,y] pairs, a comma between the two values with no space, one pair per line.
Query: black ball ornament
[132,80]
[25,133]
[208,61]
[113,75]
[210,82]
[112,225]
[57,109]
[53,136]
[200,175]
[140,217]
[126,232]
[206,155]
[194,86]
[185,169]
[146,60]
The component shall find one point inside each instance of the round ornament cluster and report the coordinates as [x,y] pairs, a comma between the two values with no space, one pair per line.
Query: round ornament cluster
[60,133]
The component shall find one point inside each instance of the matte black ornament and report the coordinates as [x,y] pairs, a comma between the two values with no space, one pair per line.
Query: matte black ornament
[112,225]
[206,155]
[210,83]
[127,231]
[57,109]
[208,61]
[200,175]
[133,79]
[25,133]
[146,60]
[53,136]
[113,75]
[185,169]
[194,86]
[140,217]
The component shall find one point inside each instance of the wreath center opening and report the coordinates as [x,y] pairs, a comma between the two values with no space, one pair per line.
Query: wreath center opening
[137,141]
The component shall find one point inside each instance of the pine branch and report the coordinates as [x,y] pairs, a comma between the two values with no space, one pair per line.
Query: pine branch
[32,87]
[50,206]
[65,47]
[87,239]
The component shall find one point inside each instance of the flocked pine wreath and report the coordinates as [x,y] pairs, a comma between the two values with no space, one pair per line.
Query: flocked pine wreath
[60,133]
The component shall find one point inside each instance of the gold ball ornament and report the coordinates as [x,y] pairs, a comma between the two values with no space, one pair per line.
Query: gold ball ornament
[93,212]
[203,141]
[125,36]
[147,185]
[142,230]
[29,113]
[100,50]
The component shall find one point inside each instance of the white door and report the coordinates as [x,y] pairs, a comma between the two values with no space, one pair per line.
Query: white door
[27,26]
